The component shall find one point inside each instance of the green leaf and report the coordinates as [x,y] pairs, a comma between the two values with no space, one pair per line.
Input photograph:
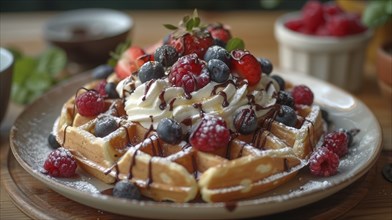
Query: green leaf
[185,19]
[38,82]
[51,62]
[234,44]
[19,94]
[376,13]
[23,68]
[195,14]
[189,24]
[170,27]
[116,55]
[196,22]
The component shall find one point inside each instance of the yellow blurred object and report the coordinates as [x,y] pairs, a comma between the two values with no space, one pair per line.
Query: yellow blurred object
[356,6]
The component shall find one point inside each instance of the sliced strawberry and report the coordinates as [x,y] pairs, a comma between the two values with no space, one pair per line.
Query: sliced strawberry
[246,66]
[131,60]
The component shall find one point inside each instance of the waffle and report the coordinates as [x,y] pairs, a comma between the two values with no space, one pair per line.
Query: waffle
[248,166]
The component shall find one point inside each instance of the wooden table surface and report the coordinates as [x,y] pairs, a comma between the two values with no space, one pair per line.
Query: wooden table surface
[24,31]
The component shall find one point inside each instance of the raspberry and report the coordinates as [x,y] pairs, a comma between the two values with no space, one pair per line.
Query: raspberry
[331,9]
[313,15]
[302,95]
[323,162]
[337,142]
[246,65]
[339,25]
[190,73]
[211,134]
[90,103]
[100,88]
[60,163]
[294,24]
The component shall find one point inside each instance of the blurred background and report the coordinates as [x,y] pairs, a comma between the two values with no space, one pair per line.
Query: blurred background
[219,5]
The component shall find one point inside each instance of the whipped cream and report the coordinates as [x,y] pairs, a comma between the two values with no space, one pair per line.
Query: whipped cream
[149,102]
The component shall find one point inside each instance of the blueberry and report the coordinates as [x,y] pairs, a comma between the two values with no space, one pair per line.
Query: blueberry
[217,52]
[53,142]
[166,55]
[102,71]
[285,98]
[245,121]
[287,116]
[280,81]
[219,71]
[151,70]
[219,42]
[266,65]
[105,125]
[110,89]
[169,131]
[126,190]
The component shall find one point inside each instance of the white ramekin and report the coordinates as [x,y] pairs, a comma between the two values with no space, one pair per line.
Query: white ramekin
[338,60]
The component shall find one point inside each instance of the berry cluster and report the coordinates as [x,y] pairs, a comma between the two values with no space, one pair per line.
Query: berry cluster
[325,160]
[326,19]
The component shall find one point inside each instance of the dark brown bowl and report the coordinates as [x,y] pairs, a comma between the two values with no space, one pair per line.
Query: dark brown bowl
[88,35]
[6,66]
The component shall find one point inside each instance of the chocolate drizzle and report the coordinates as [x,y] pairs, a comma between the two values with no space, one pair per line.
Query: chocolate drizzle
[171,104]
[163,104]
[148,86]
[115,167]
[149,180]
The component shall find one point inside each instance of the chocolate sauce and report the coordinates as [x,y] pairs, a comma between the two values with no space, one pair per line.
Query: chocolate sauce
[162,106]
[194,166]
[200,107]
[242,149]
[285,164]
[187,122]
[230,206]
[259,139]
[222,85]
[149,180]
[148,85]
[225,103]
[151,128]
[186,146]
[108,192]
[110,169]
[310,131]
[171,104]
[133,163]
[65,134]
[188,95]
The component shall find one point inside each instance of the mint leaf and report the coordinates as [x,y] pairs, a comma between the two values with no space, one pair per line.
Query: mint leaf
[234,44]
[376,13]
[170,27]
[120,49]
[23,68]
[38,82]
[52,61]
[189,24]
[19,94]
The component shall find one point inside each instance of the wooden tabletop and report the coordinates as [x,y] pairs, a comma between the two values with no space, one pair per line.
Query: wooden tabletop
[24,31]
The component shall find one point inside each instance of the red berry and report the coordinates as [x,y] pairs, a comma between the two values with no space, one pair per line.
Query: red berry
[211,134]
[218,31]
[90,103]
[302,95]
[323,162]
[131,60]
[313,15]
[190,73]
[246,66]
[331,9]
[337,142]
[101,88]
[60,163]
[295,24]
[195,42]
[339,25]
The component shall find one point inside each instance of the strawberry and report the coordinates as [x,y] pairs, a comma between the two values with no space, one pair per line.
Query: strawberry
[246,66]
[190,37]
[220,32]
[131,60]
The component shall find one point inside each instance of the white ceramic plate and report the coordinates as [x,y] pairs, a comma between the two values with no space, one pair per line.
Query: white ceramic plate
[29,145]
